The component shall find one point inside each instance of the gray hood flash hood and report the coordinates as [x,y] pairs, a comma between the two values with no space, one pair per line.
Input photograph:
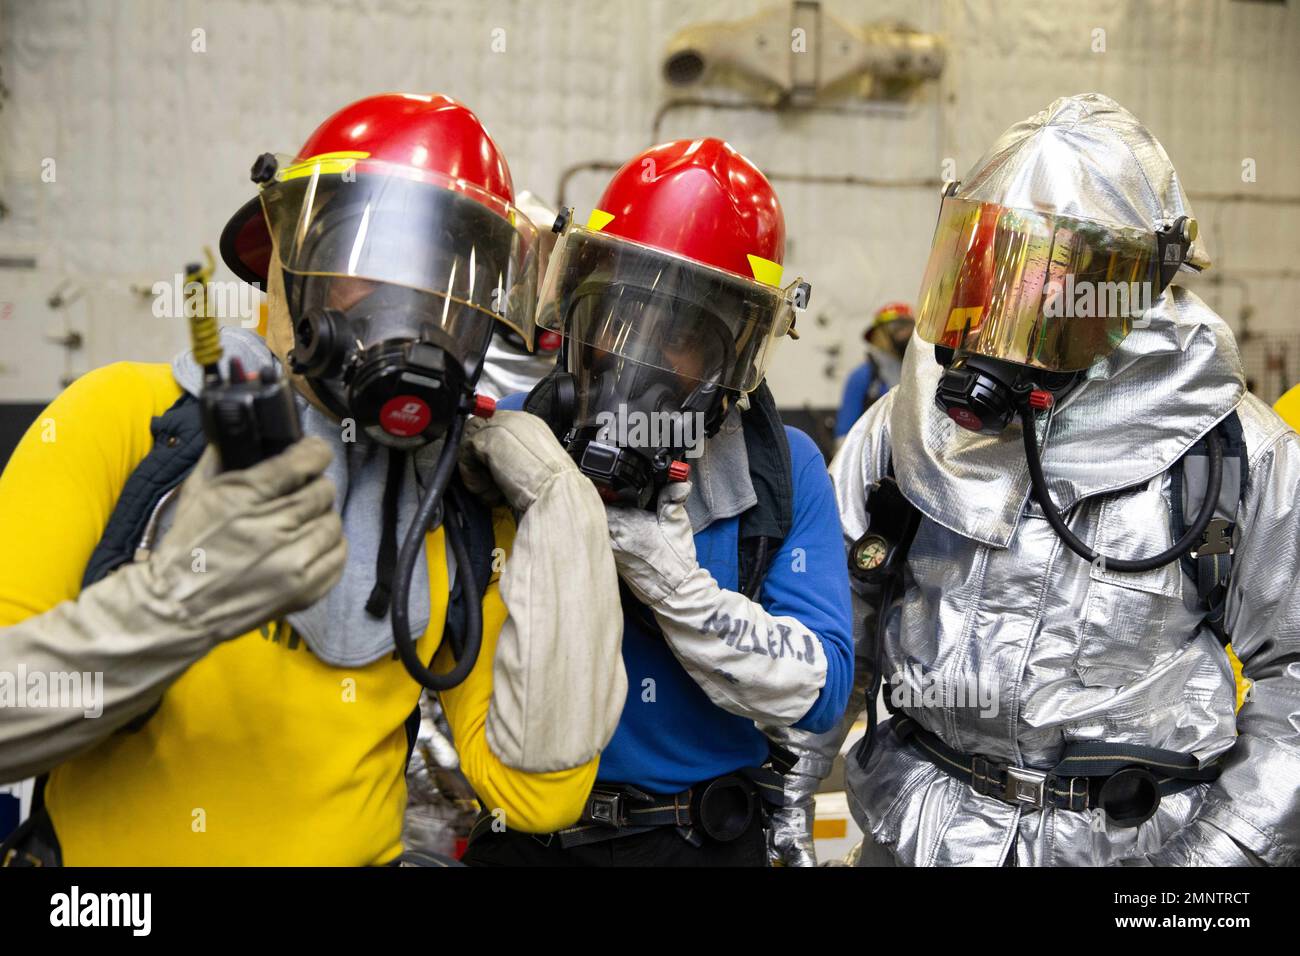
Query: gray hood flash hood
[337,628]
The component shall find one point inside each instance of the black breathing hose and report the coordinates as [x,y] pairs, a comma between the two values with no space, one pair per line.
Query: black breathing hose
[877,666]
[1182,546]
[412,545]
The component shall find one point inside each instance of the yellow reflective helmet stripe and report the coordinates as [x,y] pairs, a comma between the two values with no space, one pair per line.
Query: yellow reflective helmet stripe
[599,219]
[765,270]
[323,164]
[959,318]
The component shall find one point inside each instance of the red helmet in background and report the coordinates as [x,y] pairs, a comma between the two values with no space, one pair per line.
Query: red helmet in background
[892,312]
[891,328]
[429,132]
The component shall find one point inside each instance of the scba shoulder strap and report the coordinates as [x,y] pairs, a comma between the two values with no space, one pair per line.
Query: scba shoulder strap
[764,527]
[876,388]
[178,443]
[1209,565]
[474,519]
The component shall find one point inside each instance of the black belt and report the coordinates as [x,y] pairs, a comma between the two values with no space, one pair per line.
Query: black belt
[625,807]
[721,808]
[1126,781]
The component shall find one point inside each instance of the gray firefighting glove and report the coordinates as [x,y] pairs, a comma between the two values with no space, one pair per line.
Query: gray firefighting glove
[790,837]
[749,662]
[245,548]
[558,684]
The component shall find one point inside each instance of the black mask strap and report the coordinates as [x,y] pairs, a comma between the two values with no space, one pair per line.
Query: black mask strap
[386,562]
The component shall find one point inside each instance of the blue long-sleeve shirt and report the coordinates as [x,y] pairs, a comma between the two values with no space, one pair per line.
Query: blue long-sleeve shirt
[670,735]
[854,401]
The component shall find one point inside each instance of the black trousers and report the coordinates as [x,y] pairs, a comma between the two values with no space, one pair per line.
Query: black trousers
[662,846]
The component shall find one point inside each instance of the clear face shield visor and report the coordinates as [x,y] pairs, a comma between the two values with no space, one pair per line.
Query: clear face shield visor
[395,278]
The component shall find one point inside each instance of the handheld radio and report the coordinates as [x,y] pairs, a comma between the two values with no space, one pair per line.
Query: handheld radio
[247,417]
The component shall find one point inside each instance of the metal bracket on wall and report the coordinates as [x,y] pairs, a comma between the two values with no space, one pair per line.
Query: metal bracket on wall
[70,340]
[823,55]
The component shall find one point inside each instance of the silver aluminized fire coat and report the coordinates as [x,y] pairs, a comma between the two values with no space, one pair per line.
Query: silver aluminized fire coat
[1069,650]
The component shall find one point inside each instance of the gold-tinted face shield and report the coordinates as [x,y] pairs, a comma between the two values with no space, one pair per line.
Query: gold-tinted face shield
[1034,288]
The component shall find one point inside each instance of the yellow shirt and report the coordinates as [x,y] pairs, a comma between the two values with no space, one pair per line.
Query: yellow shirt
[1288,406]
[259,754]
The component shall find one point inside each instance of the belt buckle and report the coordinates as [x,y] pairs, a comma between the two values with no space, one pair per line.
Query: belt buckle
[1025,786]
[606,808]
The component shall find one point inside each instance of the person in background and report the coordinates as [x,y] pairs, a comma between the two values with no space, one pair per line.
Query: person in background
[886,337]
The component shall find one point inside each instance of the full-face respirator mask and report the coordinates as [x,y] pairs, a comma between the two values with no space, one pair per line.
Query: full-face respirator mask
[656,350]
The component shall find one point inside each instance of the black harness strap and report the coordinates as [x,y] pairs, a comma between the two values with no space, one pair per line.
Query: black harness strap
[1097,758]
[1209,566]
[386,561]
[892,523]
[764,527]
[1080,781]
[616,810]
[474,519]
[178,443]
[876,388]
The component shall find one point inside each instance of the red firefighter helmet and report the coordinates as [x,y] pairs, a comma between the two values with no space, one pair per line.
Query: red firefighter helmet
[679,267]
[700,199]
[892,312]
[396,192]
[428,132]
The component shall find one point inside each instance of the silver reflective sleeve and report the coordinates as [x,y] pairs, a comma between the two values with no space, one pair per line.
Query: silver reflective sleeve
[1252,812]
[790,839]
[861,460]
